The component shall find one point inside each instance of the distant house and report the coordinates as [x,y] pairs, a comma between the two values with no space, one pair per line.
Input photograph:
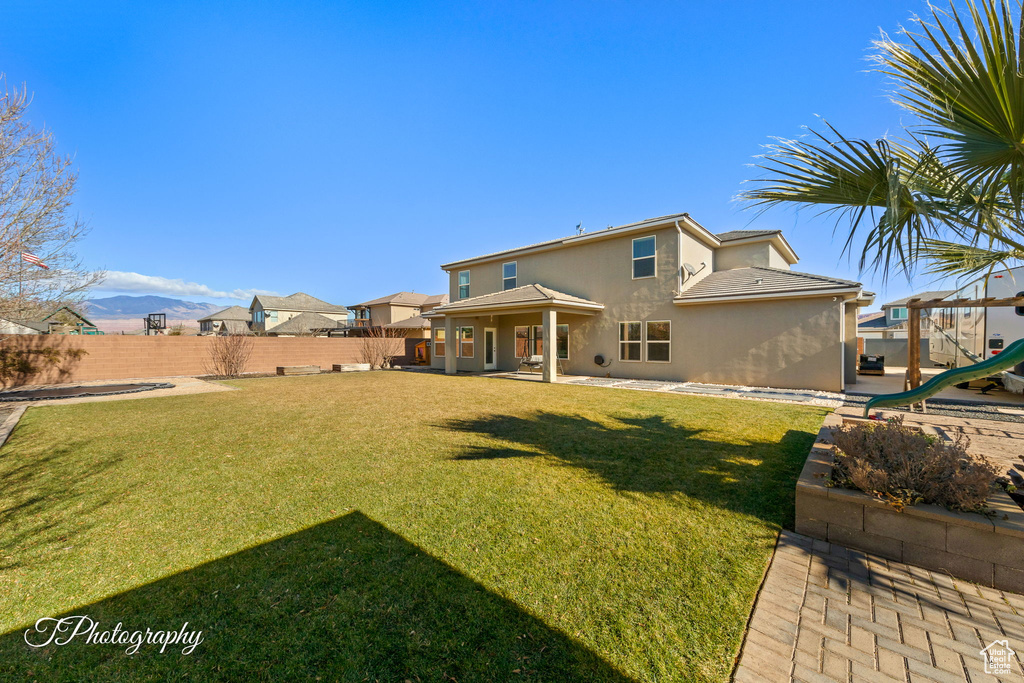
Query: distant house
[64,320]
[270,312]
[400,312]
[232,320]
[891,321]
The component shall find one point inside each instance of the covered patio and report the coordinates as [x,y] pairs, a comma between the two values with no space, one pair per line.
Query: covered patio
[498,316]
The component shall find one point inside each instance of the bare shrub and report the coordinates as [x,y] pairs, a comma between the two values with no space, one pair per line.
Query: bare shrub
[904,467]
[380,347]
[229,354]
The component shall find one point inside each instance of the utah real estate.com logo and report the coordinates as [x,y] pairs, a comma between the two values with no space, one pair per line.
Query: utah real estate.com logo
[997,657]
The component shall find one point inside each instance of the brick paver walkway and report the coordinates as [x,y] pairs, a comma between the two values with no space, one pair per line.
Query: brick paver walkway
[826,613]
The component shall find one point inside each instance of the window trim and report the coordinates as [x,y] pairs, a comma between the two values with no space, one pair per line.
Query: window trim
[639,342]
[905,316]
[514,278]
[566,326]
[634,259]
[666,342]
[458,335]
[434,342]
[459,284]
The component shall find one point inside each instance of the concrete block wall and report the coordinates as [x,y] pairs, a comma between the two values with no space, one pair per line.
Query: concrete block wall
[136,357]
[984,550]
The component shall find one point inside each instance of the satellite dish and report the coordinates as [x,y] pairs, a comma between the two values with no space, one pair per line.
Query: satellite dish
[690,269]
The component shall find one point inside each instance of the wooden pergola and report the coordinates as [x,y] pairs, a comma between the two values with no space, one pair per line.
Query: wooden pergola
[914,308]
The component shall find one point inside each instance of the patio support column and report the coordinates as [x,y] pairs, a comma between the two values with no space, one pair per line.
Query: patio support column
[450,342]
[550,318]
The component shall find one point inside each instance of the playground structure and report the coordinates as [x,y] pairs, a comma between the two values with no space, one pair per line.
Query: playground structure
[914,392]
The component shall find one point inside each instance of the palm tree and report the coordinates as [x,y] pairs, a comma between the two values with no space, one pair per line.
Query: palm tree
[950,191]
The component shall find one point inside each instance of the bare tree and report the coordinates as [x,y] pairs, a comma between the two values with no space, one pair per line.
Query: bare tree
[380,347]
[229,354]
[36,188]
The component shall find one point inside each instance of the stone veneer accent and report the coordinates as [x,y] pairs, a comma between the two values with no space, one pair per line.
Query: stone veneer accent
[987,551]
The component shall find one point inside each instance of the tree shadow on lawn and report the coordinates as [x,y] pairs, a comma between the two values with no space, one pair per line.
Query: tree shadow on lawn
[344,600]
[47,498]
[651,455]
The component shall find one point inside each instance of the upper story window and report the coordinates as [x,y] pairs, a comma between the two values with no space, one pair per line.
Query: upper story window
[463,284]
[898,313]
[644,249]
[258,316]
[509,272]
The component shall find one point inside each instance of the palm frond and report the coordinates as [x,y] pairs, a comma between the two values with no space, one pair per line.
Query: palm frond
[953,259]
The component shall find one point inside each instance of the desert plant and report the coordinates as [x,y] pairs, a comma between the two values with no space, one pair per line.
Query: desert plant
[229,354]
[904,466]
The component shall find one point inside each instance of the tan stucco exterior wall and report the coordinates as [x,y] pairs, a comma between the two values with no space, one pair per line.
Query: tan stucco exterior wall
[791,343]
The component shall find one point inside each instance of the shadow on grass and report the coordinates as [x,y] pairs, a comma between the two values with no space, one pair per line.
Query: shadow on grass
[46,499]
[344,600]
[651,455]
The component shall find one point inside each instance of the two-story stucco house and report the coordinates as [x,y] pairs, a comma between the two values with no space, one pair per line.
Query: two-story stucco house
[664,298]
[401,312]
[305,314]
[891,323]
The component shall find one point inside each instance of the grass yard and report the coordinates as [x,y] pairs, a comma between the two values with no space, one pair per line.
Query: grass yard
[396,526]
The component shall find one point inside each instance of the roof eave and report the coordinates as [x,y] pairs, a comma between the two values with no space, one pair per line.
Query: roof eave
[847,292]
[511,307]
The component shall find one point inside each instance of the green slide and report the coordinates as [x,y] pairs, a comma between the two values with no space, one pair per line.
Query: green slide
[1009,357]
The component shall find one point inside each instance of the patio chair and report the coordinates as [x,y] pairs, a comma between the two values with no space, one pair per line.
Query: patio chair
[538,363]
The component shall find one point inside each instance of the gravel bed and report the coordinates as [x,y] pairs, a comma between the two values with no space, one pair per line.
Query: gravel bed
[938,406]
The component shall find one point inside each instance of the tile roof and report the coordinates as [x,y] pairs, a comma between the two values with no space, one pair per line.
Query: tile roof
[743,234]
[237,327]
[874,321]
[305,323]
[760,280]
[299,301]
[229,313]
[404,299]
[923,296]
[510,297]
[416,322]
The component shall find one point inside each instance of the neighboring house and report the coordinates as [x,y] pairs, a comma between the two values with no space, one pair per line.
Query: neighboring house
[232,320]
[64,320]
[660,299]
[401,312]
[891,321]
[268,312]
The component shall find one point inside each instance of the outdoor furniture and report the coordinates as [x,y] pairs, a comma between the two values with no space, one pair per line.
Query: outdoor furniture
[538,363]
[871,365]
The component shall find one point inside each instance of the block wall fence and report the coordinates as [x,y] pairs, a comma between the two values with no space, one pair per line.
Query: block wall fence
[138,357]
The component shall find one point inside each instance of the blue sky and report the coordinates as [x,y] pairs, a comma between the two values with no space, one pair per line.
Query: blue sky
[374,141]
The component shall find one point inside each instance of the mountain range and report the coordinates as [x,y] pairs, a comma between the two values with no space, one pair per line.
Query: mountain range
[117,313]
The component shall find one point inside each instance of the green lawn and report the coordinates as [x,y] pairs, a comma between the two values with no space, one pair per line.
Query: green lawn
[396,526]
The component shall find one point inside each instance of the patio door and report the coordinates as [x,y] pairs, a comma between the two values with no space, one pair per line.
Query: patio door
[490,348]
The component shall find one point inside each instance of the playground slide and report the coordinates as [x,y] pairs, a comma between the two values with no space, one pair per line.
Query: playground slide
[1009,357]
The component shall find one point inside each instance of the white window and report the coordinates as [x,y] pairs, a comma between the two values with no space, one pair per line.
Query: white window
[530,341]
[630,334]
[644,249]
[659,341]
[508,275]
[899,313]
[463,284]
[465,342]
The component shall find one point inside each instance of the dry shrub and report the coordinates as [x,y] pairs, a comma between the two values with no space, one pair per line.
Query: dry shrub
[380,347]
[229,354]
[904,467]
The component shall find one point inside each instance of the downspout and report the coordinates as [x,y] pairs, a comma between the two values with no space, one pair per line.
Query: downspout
[679,259]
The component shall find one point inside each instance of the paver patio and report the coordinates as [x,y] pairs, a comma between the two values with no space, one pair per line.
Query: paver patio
[826,613]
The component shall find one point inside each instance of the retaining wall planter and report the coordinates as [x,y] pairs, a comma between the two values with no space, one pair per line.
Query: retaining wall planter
[985,550]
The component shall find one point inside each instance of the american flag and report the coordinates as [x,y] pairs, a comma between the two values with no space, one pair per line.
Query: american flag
[34,260]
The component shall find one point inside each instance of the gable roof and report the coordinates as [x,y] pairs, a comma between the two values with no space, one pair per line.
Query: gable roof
[398,299]
[874,321]
[299,301]
[305,323]
[436,300]
[526,295]
[691,226]
[757,281]
[923,296]
[236,327]
[72,312]
[743,234]
[229,313]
